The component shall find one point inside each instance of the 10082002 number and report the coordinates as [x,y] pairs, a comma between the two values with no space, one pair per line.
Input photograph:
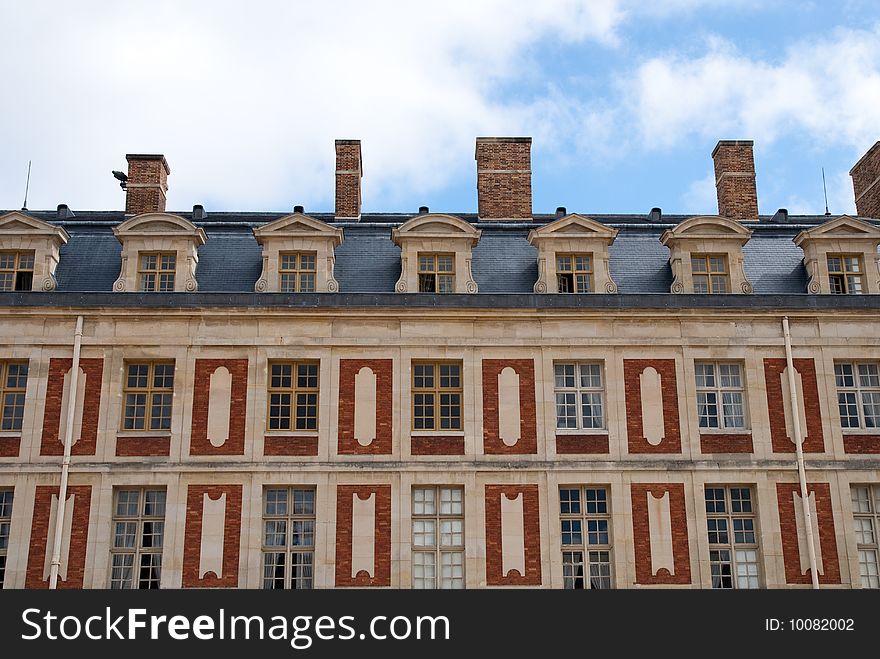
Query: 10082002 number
[821,624]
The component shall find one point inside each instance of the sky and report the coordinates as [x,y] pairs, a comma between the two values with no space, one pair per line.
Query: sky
[624,99]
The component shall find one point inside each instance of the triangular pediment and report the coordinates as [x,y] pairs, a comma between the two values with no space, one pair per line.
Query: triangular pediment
[436,225]
[574,226]
[159,224]
[707,227]
[17,223]
[840,228]
[298,225]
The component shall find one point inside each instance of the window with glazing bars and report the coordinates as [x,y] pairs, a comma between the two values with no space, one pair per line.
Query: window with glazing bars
[436,273]
[720,395]
[288,537]
[733,538]
[574,273]
[586,537]
[438,537]
[156,271]
[138,534]
[858,394]
[5,521]
[709,273]
[16,271]
[579,395]
[866,518]
[437,392]
[13,386]
[148,396]
[293,396]
[297,272]
[845,274]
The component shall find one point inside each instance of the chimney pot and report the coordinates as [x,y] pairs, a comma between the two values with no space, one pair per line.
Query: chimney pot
[560,211]
[735,179]
[147,183]
[423,210]
[298,209]
[349,172]
[656,215]
[63,212]
[198,213]
[504,178]
[866,183]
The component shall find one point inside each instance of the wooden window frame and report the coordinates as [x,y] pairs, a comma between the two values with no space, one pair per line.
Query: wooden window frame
[729,517]
[138,552]
[438,276]
[711,275]
[578,275]
[456,423]
[443,555]
[298,521]
[296,422]
[581,523]
[841,278]
[17,273]
[149,391]
[298,273]
[156,272]
[12,398]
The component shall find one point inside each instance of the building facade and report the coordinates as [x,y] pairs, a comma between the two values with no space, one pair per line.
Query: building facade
[507,399]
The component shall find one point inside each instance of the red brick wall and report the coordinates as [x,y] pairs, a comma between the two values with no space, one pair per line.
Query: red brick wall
[861,444]
[735,180]
[10,447]
[642,534]
[76,558]
[348,178]
[790,540]
[130,446]
[582,444]
[528,440]
[532,532]
[632,371]
[726,443]
[192,541]
[290,445]
[382,535]
[780,440]
[436,445]
[151,172]
[504,178]
[383,370]
[866,186]
[51,443]
[234,444]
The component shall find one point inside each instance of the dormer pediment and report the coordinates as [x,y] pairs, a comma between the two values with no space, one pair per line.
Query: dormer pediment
[574,226]
[159,224]
[436,226]
[840,228]
[22,232]
[707,227]
[20,224]
[298,225]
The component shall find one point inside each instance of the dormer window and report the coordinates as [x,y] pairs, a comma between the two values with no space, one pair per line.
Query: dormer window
[296,272]
[845,274]
[17,271]
[436,273]
[156,272]
[574,273]
[709,273]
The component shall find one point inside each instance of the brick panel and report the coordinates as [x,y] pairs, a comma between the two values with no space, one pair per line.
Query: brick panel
[290,445]
[10,447]
[726,443]
[861,444]
[349,172]
[790,540]
[383,370]
[504,178]
[436,445]
[51,443]
[234,444]
[642,534]
[531,541]
[76,558]
[192,541]
[582,444]
[528,440]
[142,446]
[636,440]
[735,180]
[147,184]
[773,369]
[382,535]
[866,183]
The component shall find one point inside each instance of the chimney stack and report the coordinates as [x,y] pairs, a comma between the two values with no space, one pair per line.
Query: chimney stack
[735,179]
[349,172]
[504,178]
[866,183]
[147,183]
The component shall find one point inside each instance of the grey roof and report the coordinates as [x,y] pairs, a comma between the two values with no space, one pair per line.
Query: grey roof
[369,262]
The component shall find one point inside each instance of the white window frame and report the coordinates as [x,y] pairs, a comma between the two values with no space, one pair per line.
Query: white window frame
[858,391]
[137,551]
[866,522]
[569,386]
[6,499]
[723,524]
[438,560]
[581,533]
[297,520]
[719,389]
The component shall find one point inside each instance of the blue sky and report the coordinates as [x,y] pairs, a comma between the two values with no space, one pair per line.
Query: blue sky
[625,100]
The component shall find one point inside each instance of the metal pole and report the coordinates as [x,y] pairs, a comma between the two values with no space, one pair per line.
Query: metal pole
[799,449]
[65,462]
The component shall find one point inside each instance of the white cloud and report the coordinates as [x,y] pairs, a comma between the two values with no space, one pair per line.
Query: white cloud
[700,196]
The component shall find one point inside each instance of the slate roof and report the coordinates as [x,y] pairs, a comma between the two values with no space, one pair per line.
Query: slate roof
[369,262]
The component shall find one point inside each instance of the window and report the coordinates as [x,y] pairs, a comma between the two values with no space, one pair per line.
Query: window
[297,272]
[733,540]
[858,394]
[138,533]
[579,395]
[586,537]
[574,273]
[436,273]
[845,274]
[709,273]
[293,396]
[438,537]
[13,384]
[866,518]
[16,271]
[720,395]
[437,394]
[156,271]
[148,391]
[5,521]
[288,537]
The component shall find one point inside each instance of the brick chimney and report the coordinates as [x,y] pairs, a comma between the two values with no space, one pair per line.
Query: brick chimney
[147,183]
[349,172]
[504,178]
[735,179]
[866,183]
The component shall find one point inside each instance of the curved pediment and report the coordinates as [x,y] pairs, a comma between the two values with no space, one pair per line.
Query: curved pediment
[159,224]
[707,227]
[17,223]
[436,225]
[298,225]
[840,228]
[574,226]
